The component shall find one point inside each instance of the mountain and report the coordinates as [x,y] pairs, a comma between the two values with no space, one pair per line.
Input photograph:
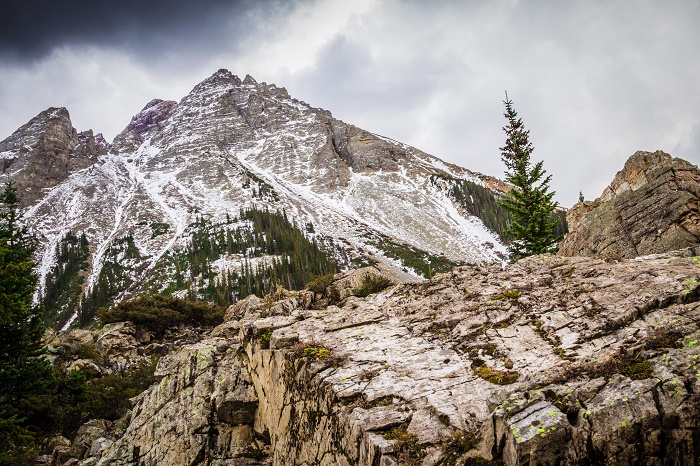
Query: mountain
[128,216]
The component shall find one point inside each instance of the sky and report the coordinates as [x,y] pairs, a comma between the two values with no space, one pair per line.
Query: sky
[593,80]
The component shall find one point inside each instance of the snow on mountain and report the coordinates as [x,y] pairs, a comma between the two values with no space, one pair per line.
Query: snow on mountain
[232,144]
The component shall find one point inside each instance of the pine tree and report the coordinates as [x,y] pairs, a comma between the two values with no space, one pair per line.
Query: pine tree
[529,201]
[24,372]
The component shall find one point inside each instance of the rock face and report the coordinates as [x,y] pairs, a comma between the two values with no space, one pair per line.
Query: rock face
[45,151]
[652,206]
[552,360]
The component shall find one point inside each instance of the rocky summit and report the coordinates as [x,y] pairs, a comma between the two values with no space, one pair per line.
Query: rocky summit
[570,361]
[652,206]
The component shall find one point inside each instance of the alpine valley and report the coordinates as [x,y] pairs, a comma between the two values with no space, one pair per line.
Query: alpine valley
[234,190]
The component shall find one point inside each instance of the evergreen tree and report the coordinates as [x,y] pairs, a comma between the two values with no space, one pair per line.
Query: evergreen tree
[24,373]
[529,201]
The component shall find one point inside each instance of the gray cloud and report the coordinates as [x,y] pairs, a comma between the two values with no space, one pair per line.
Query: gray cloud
[36,28]
[593,80]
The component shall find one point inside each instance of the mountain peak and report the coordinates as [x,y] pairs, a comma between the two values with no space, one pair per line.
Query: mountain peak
[153,113]
[249,80]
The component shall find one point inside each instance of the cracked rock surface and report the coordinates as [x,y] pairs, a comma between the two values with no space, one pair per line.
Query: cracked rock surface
[551,360]
[652,206]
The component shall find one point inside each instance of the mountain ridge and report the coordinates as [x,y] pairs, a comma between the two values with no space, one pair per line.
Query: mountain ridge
[231,144]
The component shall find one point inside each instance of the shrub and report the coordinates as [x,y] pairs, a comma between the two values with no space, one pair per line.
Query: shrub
[156,313]
[320,283]
[372,284]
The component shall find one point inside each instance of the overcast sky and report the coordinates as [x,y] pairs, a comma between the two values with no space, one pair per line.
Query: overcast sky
[593,80]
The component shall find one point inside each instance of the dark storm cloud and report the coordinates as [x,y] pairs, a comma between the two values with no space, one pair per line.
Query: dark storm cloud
[33,29]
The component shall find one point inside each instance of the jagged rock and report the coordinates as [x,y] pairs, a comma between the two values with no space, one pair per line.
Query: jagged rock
[153,113]
[99,445]
[44,152]
[652,206]
[203,407]
[87,436]
[61,451]
[118,343]
[244,307]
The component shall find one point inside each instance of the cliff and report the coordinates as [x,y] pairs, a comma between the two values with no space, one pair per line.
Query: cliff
[549,361]
[652,206]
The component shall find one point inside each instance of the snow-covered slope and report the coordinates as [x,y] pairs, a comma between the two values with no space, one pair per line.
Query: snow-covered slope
[232,144]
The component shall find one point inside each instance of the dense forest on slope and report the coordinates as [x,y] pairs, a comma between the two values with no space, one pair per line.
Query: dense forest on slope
[252,253]
[483,203]
[64,283]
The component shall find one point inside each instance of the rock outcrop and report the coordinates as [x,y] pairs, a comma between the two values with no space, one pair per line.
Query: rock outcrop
[45,151]
[549,361]
[652,206]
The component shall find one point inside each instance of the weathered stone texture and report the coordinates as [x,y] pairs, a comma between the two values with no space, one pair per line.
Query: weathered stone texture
[652,206]
[570,361]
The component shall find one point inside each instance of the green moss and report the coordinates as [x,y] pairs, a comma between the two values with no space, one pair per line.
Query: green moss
[406,447]
[495,376]
[507,294]
[637,369]
[632,367]
[316,352]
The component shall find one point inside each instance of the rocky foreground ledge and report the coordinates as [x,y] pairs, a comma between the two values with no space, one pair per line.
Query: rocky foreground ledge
[550,361]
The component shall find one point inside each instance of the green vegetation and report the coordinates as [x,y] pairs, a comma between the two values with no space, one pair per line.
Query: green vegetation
[157,313]
[483,203]
[264,338]
[478,201]
[159,228]
[372,284]
[457,445]
[109,395]
[115,276]
[406,447]
[422,262]
[492,375]
[263,191]
[507,294]
[64,283]
[312,351]
[320,283]
[316,352]
[530,201]
[25,374]
[627,365]
[292,259]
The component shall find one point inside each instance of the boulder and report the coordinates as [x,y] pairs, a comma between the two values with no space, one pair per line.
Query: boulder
[87,436]
[355,283]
